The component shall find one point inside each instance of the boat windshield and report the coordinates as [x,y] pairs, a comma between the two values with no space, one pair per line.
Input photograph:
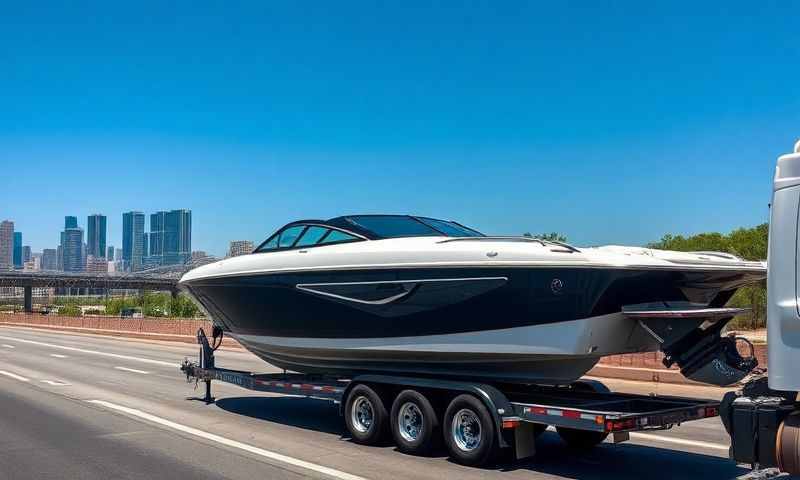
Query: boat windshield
[395,226]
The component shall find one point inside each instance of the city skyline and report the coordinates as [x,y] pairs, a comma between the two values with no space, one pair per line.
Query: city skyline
[74,252]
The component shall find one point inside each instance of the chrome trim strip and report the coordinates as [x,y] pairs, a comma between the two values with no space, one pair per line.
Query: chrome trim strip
[309,287]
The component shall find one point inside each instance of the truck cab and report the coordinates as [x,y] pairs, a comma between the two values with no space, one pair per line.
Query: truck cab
[763,418]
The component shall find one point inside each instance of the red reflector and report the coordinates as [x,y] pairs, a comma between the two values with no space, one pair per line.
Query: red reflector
[510,424]
[539,410]
[617,425]
[711,412]
[571,414]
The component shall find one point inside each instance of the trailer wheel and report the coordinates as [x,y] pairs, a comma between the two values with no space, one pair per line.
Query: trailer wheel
[365,415]
[415,426]
[469,431]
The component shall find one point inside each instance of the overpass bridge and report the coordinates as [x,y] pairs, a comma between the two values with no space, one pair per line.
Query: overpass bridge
[160,279]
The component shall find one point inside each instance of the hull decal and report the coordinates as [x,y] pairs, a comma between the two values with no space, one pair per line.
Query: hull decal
[384,292]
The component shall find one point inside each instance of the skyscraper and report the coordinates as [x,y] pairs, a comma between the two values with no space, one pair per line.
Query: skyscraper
[170,237]
[70,222]
[132,240]
[177,237]
[18,250]
[26,254]
[96,235]
[49,259]
[110,253]
[157,222]
[6,245]
[72,248]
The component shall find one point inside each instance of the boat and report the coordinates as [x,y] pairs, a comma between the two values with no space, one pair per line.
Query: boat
[412,295]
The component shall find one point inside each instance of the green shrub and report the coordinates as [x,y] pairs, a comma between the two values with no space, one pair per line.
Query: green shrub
[70,310]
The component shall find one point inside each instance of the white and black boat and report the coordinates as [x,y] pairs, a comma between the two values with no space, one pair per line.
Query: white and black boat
[418,296]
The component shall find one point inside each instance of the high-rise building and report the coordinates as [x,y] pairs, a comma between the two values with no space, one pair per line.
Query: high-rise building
[157,234]
[177,237]
[72,249]
[96,236]
[18,250]
[170,237]
[70,222]
[49,259]
[110,253]
[240,247]
[132,240]
[26,253]
[6,245]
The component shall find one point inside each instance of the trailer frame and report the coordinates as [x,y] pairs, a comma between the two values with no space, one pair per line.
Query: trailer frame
[586,406]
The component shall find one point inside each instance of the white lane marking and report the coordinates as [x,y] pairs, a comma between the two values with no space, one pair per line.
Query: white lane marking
[56,383]
[228,442]
[14,376]
[56,355]
[679,441]
[5,345]
[676,441]
[94,352]
[132,370]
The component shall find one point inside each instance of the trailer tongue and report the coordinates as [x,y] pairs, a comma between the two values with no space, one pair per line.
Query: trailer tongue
[476,420]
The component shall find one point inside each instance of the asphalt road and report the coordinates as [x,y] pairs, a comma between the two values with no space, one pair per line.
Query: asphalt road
[89,407]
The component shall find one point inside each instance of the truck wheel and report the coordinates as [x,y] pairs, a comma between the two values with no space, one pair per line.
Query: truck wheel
[469,431]
[581,439]
[414,424]
[788,444]
[365,415]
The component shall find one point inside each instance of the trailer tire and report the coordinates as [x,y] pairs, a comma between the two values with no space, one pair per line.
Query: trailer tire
[415,426]
[469,431]
[584,439]
[365,415]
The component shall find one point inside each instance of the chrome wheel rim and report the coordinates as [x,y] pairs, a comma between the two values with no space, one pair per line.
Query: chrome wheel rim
[362,414]
[466,430]
[410,422]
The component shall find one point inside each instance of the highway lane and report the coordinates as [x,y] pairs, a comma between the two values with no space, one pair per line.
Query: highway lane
[83,389]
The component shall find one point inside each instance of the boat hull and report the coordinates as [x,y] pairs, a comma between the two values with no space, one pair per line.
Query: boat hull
[523,324]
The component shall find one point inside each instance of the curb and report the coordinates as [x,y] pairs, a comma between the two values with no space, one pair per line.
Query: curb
[638,374]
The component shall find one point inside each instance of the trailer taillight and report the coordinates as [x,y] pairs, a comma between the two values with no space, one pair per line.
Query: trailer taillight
[618,425]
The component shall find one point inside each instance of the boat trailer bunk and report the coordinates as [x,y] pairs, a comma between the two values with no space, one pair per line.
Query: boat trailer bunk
[583,414]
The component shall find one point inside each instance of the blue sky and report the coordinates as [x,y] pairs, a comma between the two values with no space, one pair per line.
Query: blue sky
[610,123]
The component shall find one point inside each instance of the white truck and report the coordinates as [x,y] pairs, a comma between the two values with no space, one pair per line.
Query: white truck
[763,419]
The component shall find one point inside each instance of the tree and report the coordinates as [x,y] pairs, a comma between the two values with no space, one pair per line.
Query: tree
[748,243]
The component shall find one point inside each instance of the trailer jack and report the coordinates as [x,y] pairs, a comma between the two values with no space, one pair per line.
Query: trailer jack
[206,361]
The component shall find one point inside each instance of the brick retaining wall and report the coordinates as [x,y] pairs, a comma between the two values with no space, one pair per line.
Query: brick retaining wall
[654,360]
